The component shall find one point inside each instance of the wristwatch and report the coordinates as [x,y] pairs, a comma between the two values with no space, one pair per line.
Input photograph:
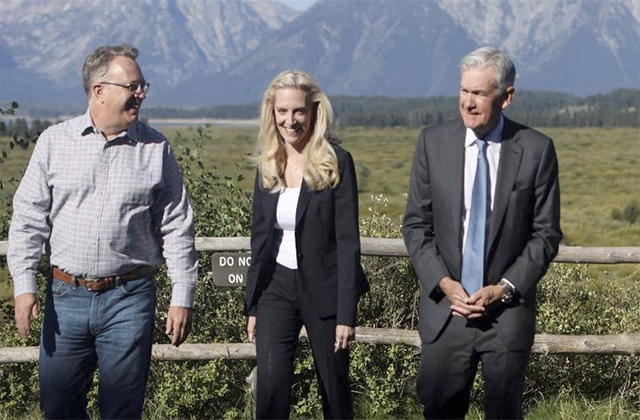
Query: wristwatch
[507,292]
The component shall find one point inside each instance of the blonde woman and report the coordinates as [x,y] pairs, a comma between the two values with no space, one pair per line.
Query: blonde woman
[305,246]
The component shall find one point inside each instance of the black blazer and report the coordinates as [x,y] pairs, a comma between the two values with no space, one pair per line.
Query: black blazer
[327,243]
[524,230]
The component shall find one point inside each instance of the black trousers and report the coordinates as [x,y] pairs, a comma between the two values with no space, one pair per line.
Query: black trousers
[281,312]
[449,364]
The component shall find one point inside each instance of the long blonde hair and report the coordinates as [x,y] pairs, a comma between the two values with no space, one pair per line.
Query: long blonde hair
[321,168]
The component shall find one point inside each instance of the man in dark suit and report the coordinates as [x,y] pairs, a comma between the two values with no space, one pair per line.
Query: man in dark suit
[481,226]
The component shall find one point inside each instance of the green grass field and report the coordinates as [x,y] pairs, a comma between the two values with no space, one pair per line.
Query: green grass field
[599,172]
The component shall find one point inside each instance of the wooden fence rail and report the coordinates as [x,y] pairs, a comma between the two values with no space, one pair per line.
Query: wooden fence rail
[395,248]
[622,344]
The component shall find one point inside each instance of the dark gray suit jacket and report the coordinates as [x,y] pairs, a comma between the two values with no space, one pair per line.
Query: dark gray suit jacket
[524,230]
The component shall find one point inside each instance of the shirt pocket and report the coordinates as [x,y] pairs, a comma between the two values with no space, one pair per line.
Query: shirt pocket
[130,187]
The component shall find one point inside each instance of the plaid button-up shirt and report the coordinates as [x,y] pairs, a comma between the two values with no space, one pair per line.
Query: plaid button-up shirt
[105,208]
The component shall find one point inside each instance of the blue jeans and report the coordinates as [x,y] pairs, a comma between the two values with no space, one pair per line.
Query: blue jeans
[112,329]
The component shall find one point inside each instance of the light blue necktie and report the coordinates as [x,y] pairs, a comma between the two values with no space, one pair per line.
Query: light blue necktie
[473,256]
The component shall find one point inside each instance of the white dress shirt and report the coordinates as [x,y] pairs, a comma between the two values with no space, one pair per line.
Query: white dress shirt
[492,152]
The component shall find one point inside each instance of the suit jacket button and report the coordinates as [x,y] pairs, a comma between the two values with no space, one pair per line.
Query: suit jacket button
[300,257]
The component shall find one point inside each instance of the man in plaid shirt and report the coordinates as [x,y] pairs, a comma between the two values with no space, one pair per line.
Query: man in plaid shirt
[104,192]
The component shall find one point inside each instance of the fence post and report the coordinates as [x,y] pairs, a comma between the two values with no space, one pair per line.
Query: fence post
[252,380]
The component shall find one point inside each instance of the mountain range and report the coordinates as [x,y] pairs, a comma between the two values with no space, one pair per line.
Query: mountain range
[205,52]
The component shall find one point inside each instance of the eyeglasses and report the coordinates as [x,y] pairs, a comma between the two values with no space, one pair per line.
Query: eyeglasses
[133,87]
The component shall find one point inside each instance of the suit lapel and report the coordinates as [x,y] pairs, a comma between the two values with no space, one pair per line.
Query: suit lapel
[303,201]
[269,205]
[510,158]
[455,175]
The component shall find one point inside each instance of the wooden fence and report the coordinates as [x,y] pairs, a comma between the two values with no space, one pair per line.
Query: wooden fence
[623,344]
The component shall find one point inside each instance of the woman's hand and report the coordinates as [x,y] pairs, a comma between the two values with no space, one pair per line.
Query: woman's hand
[344,334]
[251,329]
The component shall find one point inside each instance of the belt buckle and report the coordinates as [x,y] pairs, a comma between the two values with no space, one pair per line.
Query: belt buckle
[90,283]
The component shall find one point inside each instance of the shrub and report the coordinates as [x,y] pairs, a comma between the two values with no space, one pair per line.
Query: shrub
[630,213]
[571,302]
[214,389]
[616,214]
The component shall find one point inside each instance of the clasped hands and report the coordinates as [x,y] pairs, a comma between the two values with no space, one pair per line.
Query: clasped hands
[470,307]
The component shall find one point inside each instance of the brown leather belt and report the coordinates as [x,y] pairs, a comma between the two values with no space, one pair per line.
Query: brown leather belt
[103,283]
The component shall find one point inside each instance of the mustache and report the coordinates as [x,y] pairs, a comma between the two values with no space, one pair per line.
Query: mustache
[132,102]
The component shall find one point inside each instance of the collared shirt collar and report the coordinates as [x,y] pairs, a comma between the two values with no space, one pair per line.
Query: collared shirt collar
[133,132]
[87,126]
[494,136]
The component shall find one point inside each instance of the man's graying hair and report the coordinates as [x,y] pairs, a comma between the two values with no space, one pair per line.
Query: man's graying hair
[499,60]
[96,64]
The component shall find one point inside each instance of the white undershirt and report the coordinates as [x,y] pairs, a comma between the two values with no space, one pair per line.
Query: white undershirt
[285,235]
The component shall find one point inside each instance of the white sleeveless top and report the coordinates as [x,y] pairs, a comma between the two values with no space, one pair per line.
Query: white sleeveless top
[285,234]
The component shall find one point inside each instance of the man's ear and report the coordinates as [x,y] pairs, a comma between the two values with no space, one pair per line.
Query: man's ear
[98,92]
[508,97]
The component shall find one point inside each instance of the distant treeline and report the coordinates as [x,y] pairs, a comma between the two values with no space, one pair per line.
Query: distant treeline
[225,112]
[620,108]
[21,128]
